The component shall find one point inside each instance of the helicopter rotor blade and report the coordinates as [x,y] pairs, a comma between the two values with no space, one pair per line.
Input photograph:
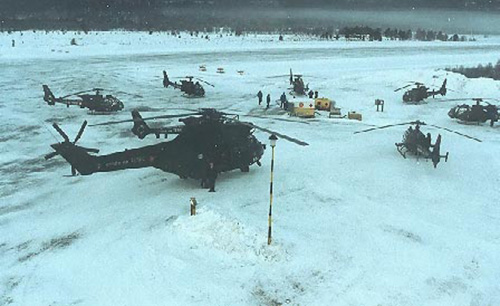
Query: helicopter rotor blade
[389,125]
[274,118]
[127,93]
[205,82]
[398,89]
[147,118]
[483,100]
[76,93]
[80,132]
[458,133]
[61,132]
[291,139]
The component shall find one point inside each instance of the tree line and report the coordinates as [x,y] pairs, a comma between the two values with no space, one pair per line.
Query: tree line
[376,34]
[480,71]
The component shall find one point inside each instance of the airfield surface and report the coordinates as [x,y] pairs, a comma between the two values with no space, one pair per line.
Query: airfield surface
[354,222]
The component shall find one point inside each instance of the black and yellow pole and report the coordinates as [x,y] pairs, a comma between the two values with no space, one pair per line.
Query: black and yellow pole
[272,139]
[193,206]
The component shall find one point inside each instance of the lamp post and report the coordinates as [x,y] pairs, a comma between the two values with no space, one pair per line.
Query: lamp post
[272,140]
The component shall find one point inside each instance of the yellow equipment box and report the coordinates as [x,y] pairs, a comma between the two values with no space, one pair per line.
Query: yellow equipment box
[303,108]
[323,104]
[354,116]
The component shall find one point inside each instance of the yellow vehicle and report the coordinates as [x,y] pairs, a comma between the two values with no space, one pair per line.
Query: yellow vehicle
[323,104]
[303,108]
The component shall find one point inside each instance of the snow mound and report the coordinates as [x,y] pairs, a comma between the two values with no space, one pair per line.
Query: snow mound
[212,231]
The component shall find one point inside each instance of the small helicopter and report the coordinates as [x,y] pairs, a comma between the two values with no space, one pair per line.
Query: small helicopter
[190,88]
[207,136]
[94,102]
[480,112]
[418,144]
[421,92]
[298,89]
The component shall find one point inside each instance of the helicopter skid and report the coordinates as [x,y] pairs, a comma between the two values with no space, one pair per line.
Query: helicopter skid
[192,97]
[400,148]
[469,122]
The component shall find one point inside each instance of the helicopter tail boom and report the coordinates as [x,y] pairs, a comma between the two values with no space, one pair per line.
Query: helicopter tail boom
[86,164]
[436,153]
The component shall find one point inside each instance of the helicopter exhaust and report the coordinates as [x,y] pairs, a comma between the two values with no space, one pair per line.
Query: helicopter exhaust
[48,96]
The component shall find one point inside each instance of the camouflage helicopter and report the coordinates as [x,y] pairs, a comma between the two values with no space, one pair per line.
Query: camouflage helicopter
[96,103]
[421,92]
[298,89]
[418,144]
[480,112]
[191,89]
[205,137]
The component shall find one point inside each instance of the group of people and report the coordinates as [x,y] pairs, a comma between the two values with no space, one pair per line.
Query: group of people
[268,99]
[283,100]
[312,94]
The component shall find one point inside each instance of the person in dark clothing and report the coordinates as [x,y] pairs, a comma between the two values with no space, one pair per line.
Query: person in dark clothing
[259,95]
[211,176]
[315,94]
[268,100]
[283,100]
[311,93]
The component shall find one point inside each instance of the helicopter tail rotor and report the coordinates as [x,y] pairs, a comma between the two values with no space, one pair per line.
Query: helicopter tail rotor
[77,156]
[140,129]
[442,90]
[166,81]
[48,96]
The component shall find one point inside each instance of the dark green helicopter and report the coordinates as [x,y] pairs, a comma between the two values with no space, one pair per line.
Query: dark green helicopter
[190,88]
[207,136]
[480,112]
[417,143]
[97,102]
[298,87]
[421,92]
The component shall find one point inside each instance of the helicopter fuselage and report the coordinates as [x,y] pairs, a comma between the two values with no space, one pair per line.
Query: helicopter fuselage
[475,113]
[228,145]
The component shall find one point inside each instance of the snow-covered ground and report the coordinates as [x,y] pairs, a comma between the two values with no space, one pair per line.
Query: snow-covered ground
[354,222]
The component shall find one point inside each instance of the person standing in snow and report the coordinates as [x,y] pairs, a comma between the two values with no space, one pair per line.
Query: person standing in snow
[282,100]
[268,100]
[259,95]
[211,176]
